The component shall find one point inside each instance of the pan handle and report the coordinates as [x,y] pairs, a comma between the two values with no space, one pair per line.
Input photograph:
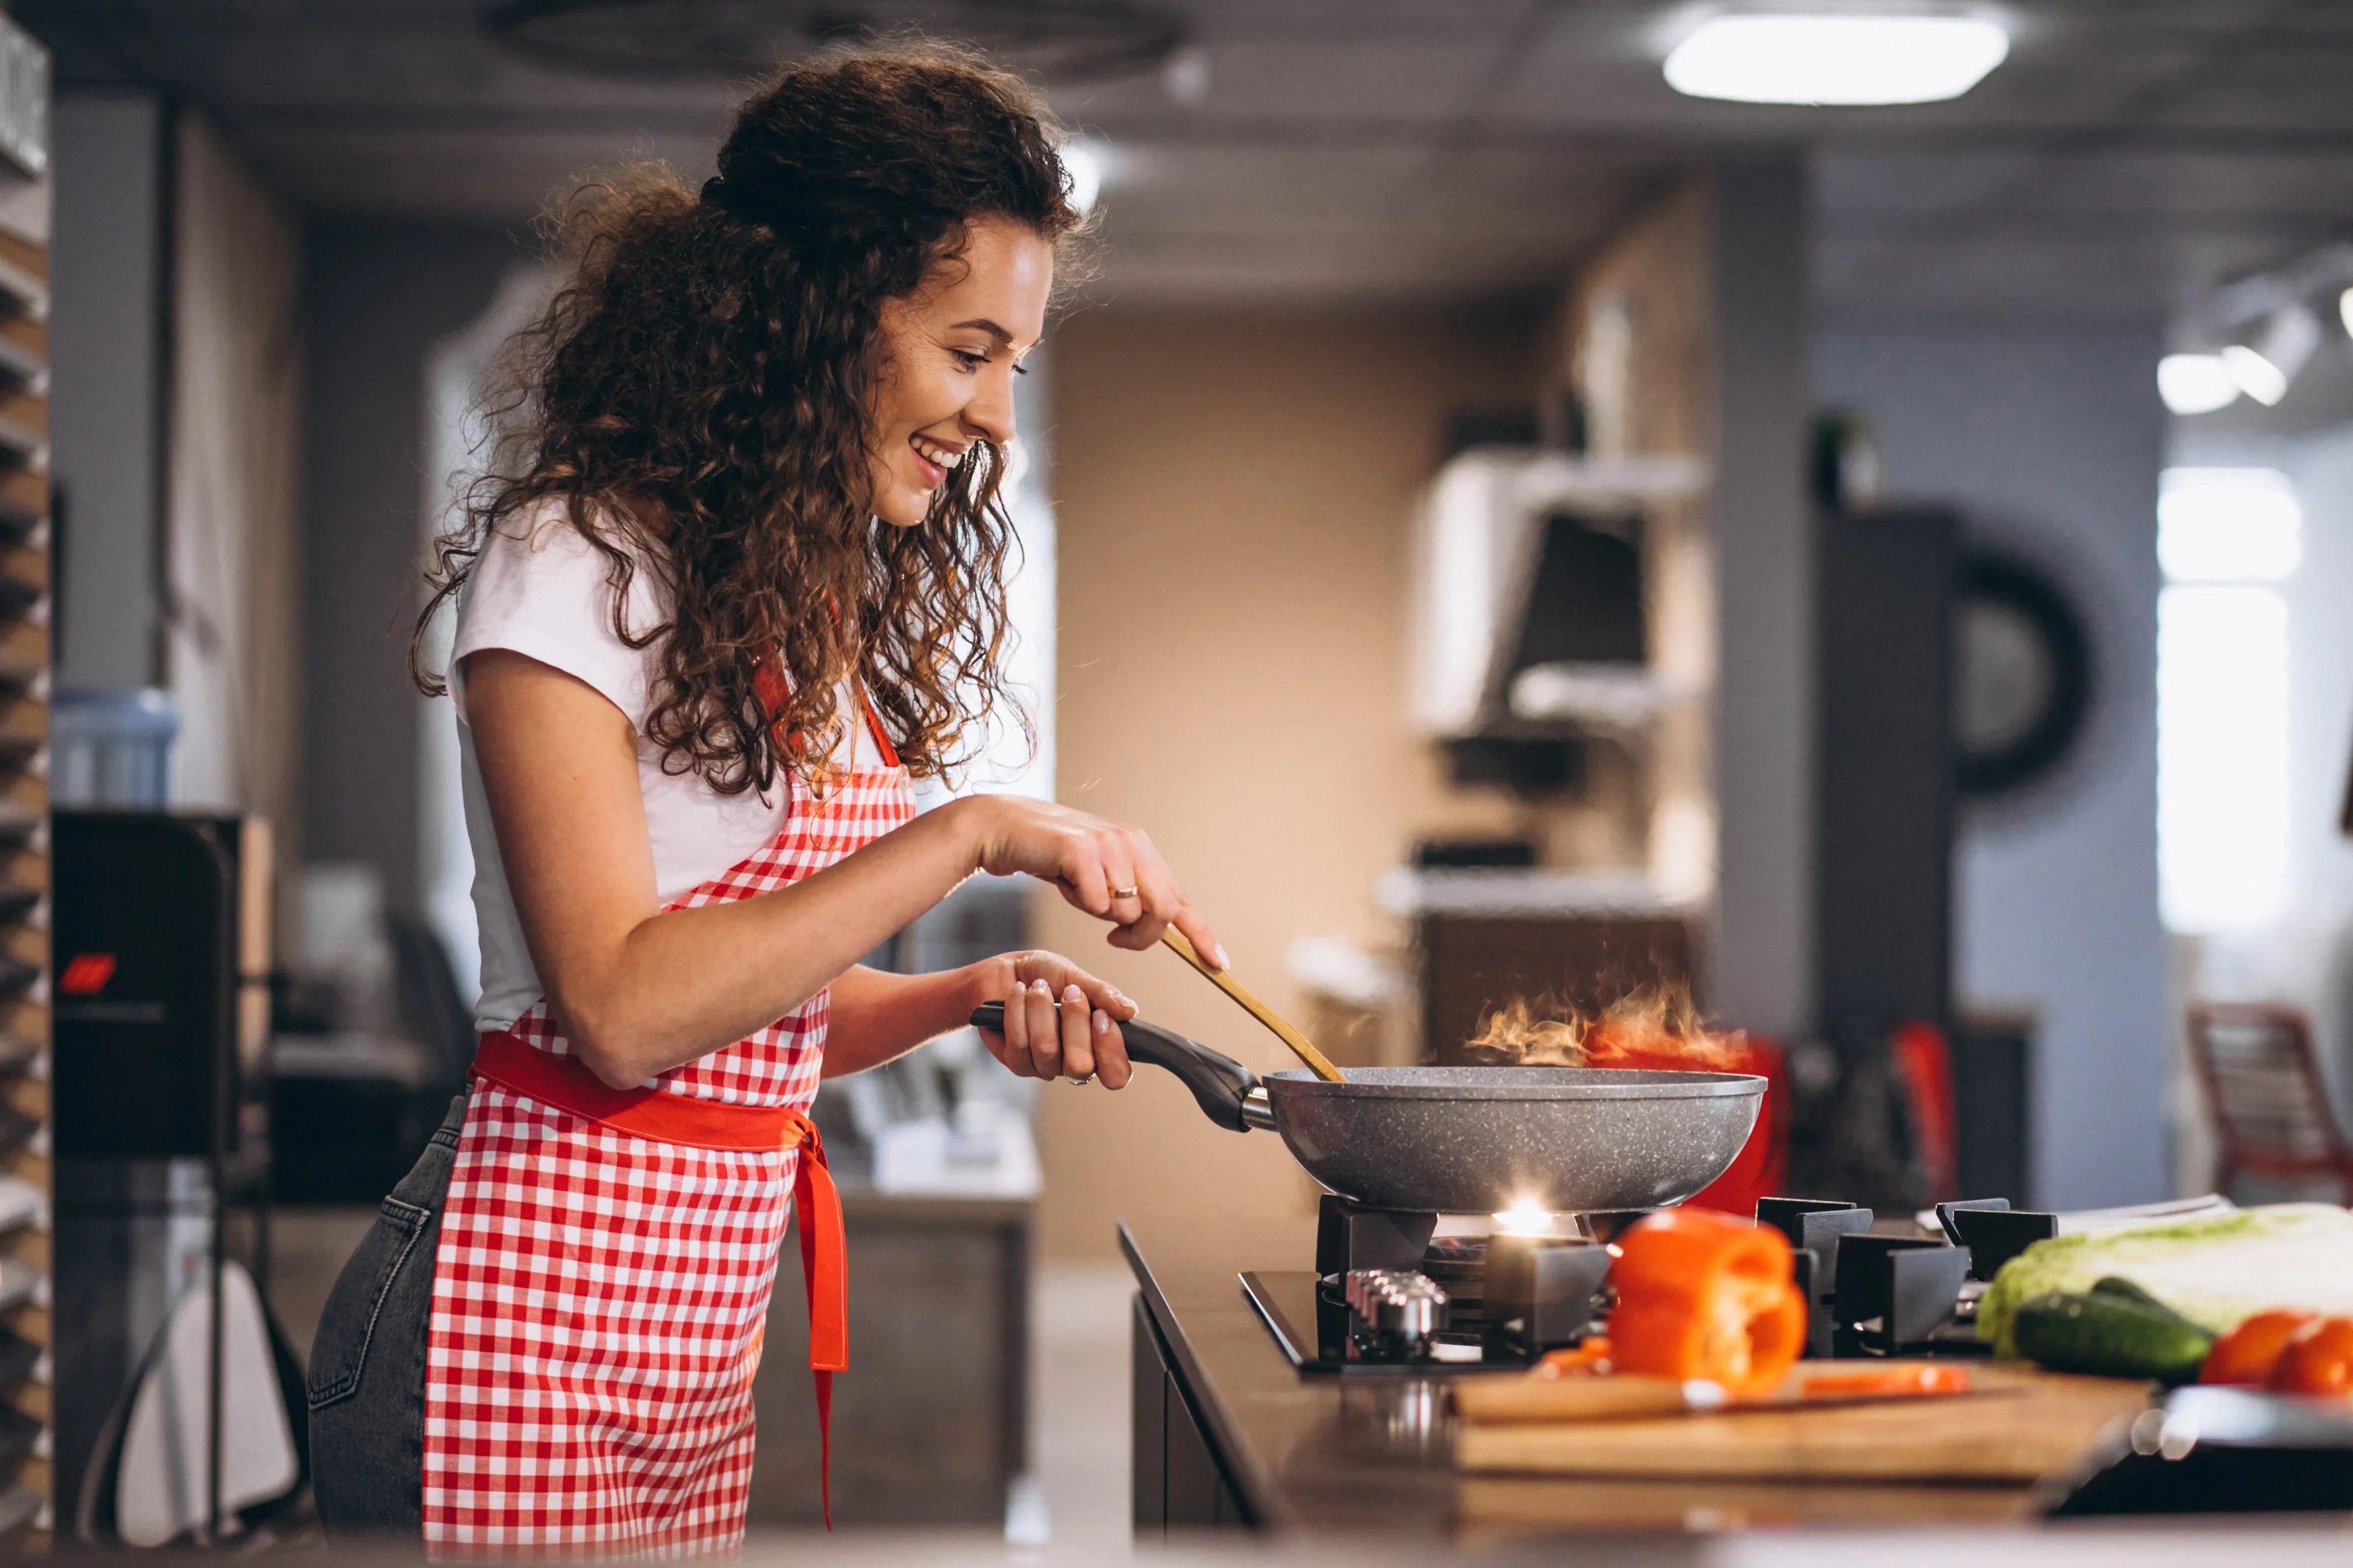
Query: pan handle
[1224,1089]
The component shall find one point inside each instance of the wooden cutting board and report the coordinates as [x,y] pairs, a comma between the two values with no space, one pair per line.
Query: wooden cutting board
[2020,1426]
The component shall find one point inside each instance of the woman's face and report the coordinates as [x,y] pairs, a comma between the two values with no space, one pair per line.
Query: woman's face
[954,347]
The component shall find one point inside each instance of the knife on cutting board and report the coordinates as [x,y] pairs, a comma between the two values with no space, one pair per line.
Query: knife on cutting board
[2039,1423]
[1624,1397]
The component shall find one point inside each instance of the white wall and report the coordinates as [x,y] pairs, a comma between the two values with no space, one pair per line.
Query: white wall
[380,296]
[2305,959]
[233,432]
[2050,441]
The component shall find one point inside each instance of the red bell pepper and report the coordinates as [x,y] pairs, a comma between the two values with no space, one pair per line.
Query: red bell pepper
[1704,1296]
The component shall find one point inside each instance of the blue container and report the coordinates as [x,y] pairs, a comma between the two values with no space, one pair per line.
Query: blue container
[112,746]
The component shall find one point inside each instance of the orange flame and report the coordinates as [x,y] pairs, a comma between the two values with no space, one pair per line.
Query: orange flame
[1649,1027]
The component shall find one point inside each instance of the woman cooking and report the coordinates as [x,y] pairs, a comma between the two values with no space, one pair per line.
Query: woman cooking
[742,579]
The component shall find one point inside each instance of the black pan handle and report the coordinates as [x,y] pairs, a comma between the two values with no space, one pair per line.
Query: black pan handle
[1219,1084]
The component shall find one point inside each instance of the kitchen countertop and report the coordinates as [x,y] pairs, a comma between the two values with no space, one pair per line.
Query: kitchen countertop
[1321,1454]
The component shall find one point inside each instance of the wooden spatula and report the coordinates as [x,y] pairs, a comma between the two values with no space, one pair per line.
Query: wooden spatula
[1316,1060]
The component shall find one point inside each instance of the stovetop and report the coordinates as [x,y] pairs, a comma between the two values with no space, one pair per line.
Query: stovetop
[1312,1322]
[1387,1296]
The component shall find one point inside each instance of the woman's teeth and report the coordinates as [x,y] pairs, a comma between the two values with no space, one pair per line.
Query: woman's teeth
[931,451]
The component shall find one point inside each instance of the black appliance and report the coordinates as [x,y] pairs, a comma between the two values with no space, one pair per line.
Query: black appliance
[1884,839]
[161,1020]
[1890,587]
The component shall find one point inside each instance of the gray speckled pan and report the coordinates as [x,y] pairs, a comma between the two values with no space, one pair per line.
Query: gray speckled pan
[1476,1140]
[1481,1139]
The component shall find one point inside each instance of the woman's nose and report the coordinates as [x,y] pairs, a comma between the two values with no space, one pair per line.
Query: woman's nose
[990,412]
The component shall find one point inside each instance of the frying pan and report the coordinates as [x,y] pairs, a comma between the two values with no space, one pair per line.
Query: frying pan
[1472,1139]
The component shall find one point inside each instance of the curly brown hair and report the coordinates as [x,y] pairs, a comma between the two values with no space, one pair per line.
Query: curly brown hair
[699,395]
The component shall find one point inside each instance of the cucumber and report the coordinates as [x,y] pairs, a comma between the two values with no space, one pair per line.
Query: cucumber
[2110,1333]
[2124,1289]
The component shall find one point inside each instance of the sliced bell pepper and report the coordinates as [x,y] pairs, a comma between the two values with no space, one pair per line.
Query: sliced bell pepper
[1891,1382]
[2319,1359]
[1589,1358]
[2249,1352]
[1705,1296]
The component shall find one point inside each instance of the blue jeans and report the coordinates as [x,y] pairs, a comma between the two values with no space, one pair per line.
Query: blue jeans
[366,1382]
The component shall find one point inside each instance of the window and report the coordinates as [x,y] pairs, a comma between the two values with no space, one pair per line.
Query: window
[2226,538]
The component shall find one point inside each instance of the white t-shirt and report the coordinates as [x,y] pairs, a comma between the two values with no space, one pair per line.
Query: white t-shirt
[542,590]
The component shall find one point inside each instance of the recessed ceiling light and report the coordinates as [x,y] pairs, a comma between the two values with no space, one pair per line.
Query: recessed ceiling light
[1836,59]
[2254,374]
[2265,368]
[2196,384]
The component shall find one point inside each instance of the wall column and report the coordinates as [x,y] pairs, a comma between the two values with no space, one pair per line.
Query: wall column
[108,339]
[1761,950]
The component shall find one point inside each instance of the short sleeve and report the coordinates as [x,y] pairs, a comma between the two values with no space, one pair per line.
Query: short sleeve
[542,589]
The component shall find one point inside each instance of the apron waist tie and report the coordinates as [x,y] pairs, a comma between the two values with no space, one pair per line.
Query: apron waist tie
[565,1083]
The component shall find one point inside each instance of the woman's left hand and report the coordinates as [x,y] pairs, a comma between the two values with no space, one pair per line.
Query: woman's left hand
[1059,1019]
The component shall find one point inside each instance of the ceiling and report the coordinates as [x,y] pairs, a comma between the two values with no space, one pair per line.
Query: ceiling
[2130,154]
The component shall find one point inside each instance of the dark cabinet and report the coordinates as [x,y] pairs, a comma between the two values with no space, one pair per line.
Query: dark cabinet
[1179,1482]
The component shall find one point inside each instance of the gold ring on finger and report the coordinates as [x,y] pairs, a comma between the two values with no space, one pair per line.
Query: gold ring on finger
[1119,893]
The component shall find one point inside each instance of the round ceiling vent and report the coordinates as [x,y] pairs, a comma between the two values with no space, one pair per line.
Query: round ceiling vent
[1059,42]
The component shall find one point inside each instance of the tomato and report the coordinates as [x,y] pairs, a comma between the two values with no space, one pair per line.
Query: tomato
[2319,1359]
[2247,1354]
[1705,1296]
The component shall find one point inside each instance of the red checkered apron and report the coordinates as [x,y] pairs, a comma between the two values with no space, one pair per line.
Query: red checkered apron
[605,1261]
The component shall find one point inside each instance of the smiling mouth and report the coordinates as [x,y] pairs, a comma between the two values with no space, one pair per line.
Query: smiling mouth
[936,457]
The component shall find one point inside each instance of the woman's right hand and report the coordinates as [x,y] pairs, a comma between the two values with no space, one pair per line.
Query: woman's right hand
[1107,868]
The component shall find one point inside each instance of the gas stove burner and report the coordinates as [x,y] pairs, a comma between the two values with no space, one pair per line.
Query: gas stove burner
[1388,1293]
[1457,1262]
[1527,1219]
[1414,1327]
[1394,1313]
[1392,1301]
[1397,1291]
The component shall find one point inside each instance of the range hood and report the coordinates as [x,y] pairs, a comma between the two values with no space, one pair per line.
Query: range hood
[1529,601]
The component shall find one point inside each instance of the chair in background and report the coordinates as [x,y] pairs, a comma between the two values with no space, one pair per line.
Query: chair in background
[2263,1088]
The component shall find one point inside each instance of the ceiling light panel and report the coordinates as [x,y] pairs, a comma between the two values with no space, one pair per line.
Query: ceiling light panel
[1836,59]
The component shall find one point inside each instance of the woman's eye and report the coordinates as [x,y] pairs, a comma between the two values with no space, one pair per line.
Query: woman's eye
[970,360]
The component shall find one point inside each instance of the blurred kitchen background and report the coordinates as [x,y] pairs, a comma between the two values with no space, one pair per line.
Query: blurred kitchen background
[1509,528]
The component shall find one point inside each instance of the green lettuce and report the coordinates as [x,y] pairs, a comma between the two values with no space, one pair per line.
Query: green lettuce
[2214,1271]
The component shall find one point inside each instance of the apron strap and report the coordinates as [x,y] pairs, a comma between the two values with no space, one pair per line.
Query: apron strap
[816,1209]
[874,726]
[768,683]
